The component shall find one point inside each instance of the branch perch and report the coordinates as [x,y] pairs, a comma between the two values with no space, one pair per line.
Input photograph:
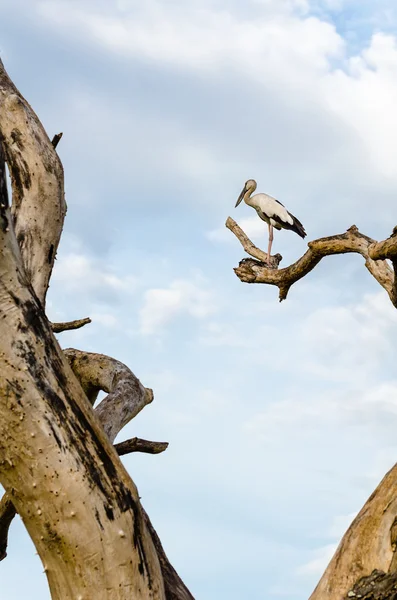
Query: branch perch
[250,247]
[374,253]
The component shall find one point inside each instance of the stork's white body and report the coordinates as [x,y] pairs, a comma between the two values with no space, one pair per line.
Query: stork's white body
[267,208]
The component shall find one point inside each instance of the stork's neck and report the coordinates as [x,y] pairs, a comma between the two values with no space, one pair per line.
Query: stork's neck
[247,196]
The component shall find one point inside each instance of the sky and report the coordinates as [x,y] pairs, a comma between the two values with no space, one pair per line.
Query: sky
[281,418]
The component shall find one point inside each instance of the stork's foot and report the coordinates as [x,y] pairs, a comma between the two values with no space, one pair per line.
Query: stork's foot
[272,262]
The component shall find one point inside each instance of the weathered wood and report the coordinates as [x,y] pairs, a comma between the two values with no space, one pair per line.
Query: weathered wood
[138,445]
[367,544]
[38,204]
[75,498]
[56,139]
[126,395]
[250,248]
[254,271]
[69,325]
[377,586]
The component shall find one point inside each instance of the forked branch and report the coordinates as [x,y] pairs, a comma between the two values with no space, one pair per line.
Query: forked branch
[374,253]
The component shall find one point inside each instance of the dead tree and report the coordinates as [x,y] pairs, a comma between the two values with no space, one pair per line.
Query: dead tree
[58,465]
[365,563]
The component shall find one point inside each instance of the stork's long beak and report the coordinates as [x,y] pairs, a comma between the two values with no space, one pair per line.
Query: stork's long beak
[241,196]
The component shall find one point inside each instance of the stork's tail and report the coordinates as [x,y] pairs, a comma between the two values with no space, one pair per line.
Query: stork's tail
[298,227]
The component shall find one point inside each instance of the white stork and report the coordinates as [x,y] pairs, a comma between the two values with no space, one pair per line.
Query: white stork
[270,210]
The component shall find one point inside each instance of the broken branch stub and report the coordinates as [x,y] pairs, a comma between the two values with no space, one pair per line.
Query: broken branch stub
[138,445]
[69,325]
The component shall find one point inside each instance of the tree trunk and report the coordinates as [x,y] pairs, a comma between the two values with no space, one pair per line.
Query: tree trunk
[57,463]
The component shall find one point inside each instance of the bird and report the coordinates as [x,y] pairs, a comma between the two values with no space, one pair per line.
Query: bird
[270,210]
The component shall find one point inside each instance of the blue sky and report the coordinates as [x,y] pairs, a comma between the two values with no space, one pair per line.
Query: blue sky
[281,417]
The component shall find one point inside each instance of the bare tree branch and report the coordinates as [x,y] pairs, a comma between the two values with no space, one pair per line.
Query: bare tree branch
[254,271]
[38,205]
[385,249]
[126,395]
[138,445]
[7,513]
[68,326]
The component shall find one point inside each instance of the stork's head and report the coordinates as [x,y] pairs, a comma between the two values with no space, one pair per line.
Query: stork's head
[249,186]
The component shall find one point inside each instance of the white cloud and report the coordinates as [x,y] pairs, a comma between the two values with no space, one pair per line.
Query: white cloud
[181,297]
[203,37]
[292,54]
[77,271]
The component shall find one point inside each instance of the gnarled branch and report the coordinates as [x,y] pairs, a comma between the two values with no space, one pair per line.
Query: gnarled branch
[126,395]
[254,271]
[38,204]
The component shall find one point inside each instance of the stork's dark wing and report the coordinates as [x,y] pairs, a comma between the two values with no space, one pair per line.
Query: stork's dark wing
[296,225]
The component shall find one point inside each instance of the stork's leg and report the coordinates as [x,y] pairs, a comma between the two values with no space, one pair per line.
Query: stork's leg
[269,248]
